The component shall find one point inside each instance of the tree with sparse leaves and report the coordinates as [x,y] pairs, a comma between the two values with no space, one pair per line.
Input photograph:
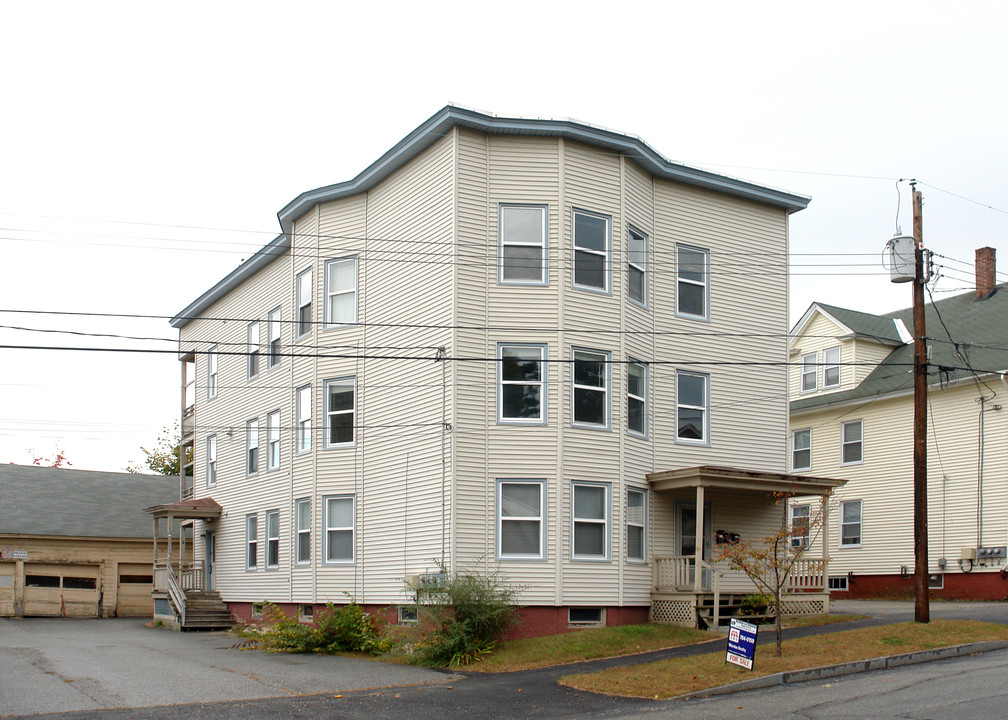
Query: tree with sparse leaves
[59,461]
[164,458]
[770,560]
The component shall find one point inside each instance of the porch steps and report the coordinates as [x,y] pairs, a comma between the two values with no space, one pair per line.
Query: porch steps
[730,607]
[206,611]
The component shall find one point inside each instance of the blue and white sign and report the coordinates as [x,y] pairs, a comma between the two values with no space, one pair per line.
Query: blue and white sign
[741,643]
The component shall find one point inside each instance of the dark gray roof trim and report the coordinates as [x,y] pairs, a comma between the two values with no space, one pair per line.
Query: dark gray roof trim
[437,127]
[278,246]
[445,119]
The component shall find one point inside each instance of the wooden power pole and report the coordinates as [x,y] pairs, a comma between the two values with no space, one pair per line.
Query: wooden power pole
[922,612]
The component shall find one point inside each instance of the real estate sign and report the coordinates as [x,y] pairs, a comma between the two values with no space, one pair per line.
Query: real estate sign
[741,643]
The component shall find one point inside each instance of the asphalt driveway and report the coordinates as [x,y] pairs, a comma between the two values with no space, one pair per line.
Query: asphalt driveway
[59,665]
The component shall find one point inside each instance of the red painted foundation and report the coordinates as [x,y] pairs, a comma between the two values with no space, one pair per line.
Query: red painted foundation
[533,621]
[957,586]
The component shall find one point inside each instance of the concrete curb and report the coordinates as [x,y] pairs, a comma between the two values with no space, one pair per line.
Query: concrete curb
[849,668]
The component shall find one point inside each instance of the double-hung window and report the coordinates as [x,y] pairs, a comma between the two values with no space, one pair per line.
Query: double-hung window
[339,529]
[851,442]
[339,411]
[304,430]
[808,372]
[212,373]
[637,262]
[522,381]
[273,338]
[590,521]
[692,395]
[341,292]
[302,544]
[251,542]
[273,440]
[251,447]
[692,282]
[801,449]
[591,251]
[273,539]
[831,367]
[211,461]
[252,336]
[636,524]
[637,398]
[523,244]
[591,389]
[520,521]
[800,526]
[850,523]
[304,303]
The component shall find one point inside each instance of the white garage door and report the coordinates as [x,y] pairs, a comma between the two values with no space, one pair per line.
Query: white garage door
[61,590]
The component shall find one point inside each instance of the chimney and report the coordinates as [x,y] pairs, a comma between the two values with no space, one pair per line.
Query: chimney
[984,272]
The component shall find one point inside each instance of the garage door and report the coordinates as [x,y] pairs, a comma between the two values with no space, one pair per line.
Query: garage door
[61,590]
[136,582]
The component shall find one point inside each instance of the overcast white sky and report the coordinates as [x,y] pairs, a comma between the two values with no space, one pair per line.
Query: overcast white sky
[146,148]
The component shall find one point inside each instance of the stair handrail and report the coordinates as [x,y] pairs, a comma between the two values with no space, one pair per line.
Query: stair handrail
[177,595]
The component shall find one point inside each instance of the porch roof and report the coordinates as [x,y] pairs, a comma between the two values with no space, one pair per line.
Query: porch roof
[199,509]
[737,479]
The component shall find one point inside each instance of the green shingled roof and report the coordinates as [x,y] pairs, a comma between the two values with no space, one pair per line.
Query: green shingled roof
[979,340]
[80,503]
[866,325]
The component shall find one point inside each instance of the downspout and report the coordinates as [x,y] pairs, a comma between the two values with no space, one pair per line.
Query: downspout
[980,468]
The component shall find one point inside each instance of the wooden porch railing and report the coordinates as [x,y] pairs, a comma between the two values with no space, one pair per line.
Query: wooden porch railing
[189,576]
[677,573]
[175,592]
[807,575]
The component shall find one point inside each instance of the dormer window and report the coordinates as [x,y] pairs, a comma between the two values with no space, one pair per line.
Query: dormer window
[831,367]
[808,372]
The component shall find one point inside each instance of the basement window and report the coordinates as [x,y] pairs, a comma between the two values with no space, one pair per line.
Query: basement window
[838,582]
[585,617]
[306,613]
[257,610]
[408,615]
[936,581]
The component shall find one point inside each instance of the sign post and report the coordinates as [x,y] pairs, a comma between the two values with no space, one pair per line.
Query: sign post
[741,643]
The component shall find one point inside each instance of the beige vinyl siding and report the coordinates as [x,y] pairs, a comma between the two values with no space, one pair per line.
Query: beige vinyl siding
[884,480]
[865,356]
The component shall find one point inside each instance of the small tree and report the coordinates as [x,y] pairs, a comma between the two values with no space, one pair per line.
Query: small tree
[770,560]
[164,458]
[59,461]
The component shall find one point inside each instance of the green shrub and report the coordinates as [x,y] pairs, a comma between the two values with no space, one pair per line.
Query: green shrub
[342,628]
[461,618]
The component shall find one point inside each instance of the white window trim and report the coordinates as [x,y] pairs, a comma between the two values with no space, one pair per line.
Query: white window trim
[606,522]
[643,268]
[860,524]
[809,370]
[273,438]
[273,334]
[642,525]
[213,377]
[352,528]
[251,540]
[806,540]
[544,245]
[211,461]
[642,398]
[300,303]
[587,623]
[543,351]
[706,408]
[839,581]
[607,255]
[253,340]
[251,425]
[541,518]
[352,381]
[272,539]
[330,293]
[705,284]
[844,443]
[303,424]
[827,366]
[299,531]
[605,390]
[795,449]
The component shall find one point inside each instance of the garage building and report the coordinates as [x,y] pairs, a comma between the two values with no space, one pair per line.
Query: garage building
[77,543]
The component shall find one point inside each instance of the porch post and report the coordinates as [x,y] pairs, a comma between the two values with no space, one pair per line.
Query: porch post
[824,509]
[168,519]
[155,539]
[698,553]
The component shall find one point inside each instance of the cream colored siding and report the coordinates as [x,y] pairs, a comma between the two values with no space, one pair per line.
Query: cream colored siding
[865,355]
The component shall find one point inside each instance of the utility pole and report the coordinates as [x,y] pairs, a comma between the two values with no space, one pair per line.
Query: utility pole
[922,612]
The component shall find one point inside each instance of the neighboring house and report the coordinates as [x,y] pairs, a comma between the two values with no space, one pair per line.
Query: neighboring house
[531,344]
[852,417]
[76,543]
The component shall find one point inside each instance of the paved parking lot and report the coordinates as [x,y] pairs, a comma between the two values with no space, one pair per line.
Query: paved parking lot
[59,665]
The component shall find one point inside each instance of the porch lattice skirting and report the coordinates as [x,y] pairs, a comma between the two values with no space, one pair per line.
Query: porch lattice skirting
[674,612]
[804,606]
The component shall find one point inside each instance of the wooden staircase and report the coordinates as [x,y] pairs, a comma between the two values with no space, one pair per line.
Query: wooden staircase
[204,610]
[730,606]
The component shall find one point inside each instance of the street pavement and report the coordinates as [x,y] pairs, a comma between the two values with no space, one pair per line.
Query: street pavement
[95,666]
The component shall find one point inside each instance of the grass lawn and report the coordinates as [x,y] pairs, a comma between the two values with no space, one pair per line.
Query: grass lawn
[669,678]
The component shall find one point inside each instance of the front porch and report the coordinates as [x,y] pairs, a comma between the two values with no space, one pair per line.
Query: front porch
[691,586]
